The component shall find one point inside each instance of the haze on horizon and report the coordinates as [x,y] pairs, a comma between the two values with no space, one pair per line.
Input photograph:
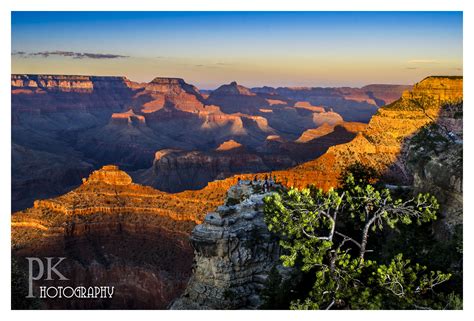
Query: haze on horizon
[208,49]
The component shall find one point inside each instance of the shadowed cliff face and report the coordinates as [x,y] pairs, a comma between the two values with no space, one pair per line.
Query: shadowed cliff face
[147,264]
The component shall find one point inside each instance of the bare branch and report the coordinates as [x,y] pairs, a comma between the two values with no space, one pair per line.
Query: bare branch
[348,238]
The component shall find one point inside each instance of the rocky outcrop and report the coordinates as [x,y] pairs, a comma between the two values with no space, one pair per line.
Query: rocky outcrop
[174,93]
[329,117]
[308,106]
[440,89]
[326,129]
[110,190]
[109,174]
[171,86]
[128,118]
[228,145]
[233,254]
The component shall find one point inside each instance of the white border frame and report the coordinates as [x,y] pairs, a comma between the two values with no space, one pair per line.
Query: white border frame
[6,6]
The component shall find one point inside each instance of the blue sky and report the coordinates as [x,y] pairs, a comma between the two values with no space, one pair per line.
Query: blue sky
[254,48]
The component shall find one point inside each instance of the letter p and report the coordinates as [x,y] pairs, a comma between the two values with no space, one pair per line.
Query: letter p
[31,260]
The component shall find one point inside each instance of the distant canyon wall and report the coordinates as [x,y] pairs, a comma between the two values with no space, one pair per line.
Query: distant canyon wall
[65,126]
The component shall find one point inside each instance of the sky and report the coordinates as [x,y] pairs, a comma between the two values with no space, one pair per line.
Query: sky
[209,49]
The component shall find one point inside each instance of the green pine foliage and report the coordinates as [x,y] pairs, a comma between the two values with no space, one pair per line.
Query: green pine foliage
[326,235]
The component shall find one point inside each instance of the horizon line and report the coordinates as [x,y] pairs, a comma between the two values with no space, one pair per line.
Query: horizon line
[229,82]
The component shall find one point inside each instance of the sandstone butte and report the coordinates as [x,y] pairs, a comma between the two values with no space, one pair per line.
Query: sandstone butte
[111,191]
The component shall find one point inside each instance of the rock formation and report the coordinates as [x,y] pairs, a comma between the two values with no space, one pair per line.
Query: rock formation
[113,232]
[228,145]
[175,92]
[330,118]
[176,170]
[326,129]
[308,106]
[234,98]
[56,93]
[64,83]
[233,254]
[128,118]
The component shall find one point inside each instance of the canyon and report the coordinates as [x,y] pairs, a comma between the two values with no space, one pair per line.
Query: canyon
[117,229]
[63,127]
